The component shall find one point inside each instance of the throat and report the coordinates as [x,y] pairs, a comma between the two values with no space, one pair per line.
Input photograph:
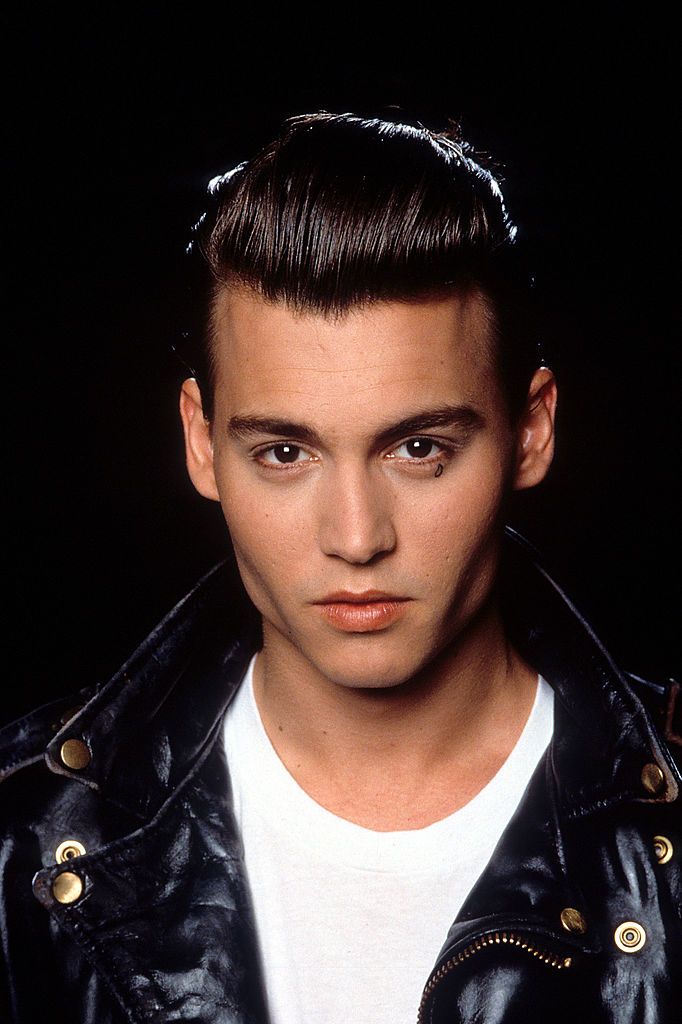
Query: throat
[404,759]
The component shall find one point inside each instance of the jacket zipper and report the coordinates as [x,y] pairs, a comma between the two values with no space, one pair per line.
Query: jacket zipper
[509,938]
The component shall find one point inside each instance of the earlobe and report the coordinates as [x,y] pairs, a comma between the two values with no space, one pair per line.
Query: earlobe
[535,435]
[198,441]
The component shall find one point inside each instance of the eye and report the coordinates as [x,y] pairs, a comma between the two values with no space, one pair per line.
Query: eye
[283,454]
[417,448]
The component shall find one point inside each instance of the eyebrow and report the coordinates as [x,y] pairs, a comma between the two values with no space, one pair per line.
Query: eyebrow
[463,417]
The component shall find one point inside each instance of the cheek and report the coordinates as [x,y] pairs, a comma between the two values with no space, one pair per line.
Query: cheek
[265,527]
[452,539]
[461,504]
[263,549]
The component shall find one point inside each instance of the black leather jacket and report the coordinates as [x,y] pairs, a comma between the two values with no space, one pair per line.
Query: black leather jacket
[577,917]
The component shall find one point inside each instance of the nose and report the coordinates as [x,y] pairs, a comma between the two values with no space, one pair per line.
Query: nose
[356,518]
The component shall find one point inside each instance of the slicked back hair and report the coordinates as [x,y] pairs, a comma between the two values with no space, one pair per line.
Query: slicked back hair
[341,211]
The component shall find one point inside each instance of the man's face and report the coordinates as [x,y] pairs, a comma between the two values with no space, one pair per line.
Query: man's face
[361,464]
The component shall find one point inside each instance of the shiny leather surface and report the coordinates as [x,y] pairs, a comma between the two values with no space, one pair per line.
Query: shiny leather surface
[164,932]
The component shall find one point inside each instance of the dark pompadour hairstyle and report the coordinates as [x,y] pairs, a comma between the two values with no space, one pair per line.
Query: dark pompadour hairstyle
[340,211]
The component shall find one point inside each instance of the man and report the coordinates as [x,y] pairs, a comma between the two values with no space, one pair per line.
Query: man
[399,778]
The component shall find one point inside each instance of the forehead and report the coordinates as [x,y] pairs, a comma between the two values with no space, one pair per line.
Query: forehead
[372,362]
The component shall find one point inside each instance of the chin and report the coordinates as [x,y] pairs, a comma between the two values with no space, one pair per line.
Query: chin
[370,666]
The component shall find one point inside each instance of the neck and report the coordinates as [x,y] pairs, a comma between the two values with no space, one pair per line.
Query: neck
[405,756]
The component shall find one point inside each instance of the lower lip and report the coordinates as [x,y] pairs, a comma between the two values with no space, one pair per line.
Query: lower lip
[363,618]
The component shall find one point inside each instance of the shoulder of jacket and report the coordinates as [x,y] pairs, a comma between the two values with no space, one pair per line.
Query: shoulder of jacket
[663,701]
[24,741]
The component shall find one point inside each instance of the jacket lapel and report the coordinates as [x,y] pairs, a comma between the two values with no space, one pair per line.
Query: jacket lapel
[165,916]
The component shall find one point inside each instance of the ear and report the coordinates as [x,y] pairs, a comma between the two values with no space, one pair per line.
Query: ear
[535,432]
[198,441]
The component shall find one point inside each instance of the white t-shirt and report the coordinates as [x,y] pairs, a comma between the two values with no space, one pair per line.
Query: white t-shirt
[350,921]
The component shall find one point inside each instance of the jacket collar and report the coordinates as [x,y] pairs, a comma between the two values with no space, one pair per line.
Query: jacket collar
[147,727]
[605,748]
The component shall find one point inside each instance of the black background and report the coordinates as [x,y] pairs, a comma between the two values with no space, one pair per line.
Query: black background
[113,126]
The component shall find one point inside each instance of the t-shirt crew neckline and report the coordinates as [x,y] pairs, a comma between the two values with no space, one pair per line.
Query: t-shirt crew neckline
[341,841]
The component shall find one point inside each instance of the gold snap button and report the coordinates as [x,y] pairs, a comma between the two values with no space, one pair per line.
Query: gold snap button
[573,921]
[629,937]
[653,779]
[69,849]
[663,849]
[75,754]
[67,887]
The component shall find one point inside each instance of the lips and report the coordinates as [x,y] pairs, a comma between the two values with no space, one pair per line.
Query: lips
[366,612]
